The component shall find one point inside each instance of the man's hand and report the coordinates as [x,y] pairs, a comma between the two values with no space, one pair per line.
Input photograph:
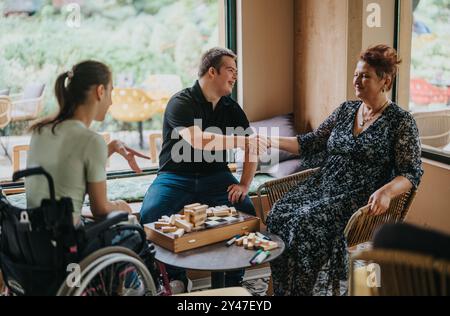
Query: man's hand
[237,193]
[129,154]
[379,202]
[258,144]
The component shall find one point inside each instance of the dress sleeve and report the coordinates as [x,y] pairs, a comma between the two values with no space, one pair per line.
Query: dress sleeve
[408,151]
[315,142]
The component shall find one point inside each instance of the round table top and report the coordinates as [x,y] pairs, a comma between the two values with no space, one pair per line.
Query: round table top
[216,257]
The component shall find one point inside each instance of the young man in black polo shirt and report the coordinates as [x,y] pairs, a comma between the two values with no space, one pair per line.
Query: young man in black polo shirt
[191,168]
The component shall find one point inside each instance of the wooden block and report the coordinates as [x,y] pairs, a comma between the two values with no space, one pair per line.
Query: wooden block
[257,243]
[200,209]
[169,229]
[202,223]
[223,208]
[251,237]
[172,220]
[159,225]
[179,233]
[239,242]
[164,219]
[183,224]
[250,245]
[198,228]
[245,242]
[196,219]
[188,214]
[224,213]
[191,206]
[233,211]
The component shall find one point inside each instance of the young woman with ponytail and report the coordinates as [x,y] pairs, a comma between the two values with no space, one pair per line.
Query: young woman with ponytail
[65,147]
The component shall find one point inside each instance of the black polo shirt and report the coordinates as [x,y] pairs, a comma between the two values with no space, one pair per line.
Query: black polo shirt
[190,107]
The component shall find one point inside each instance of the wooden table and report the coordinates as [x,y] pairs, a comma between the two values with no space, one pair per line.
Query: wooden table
[217,258]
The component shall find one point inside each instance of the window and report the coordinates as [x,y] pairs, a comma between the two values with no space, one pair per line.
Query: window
[430,75]
[153,46]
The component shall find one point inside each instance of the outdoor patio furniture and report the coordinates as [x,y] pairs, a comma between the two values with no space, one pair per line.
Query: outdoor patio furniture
[434,128]
[5,118]
[27,105]
[4,92]
[132,105]
[161,88]
[425,93]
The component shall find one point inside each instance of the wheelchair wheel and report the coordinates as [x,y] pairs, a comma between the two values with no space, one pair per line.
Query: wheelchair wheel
[111,271]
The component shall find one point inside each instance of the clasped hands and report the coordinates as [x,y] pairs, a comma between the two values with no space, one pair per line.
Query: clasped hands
[257,145]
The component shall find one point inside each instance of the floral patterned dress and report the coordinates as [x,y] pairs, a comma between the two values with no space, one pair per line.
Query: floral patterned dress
[312,216]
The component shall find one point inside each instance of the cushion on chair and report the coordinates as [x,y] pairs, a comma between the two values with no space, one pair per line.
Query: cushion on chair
[284,168]
[33,91]
[4,91]
[272,162]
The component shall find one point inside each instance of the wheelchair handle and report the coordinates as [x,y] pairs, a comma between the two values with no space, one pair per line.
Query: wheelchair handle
[36,171]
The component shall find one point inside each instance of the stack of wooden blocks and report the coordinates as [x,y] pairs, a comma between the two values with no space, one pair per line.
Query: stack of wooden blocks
[193,218]
[255,241]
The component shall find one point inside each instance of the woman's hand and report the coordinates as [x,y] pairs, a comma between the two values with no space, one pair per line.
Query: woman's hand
[237,193]
[379,202]
[129,154]
[121,205]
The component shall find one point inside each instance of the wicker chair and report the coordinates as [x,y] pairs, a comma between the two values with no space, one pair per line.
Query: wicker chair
[5,119]
[399,273]
[361,225]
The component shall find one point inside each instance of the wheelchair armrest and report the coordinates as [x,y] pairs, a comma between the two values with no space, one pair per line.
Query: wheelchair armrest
[101,225]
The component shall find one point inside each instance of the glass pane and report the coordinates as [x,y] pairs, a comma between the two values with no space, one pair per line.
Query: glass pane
[153,48]
[430,73]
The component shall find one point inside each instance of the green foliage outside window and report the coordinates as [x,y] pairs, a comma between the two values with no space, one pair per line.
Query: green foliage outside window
[134,37]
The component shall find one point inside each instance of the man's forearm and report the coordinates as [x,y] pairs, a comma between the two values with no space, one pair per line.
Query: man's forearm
[248,172]
[212,141]
[249,167]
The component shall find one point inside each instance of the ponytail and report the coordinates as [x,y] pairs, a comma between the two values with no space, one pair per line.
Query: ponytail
[71,90]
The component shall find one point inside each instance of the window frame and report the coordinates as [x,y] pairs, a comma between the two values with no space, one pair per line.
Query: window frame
[230,42]
[403,44]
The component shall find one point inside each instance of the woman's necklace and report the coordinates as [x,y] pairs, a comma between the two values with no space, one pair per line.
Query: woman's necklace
[366,120]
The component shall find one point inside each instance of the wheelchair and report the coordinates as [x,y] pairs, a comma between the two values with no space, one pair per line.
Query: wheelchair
[43,253]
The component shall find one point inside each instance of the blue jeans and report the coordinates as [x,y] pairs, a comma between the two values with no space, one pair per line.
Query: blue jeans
[170,192]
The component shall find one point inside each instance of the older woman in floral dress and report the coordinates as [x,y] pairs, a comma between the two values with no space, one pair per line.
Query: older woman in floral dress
[369,152]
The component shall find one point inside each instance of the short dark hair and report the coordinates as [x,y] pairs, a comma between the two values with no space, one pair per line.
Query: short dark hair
[383,59]
[213,58]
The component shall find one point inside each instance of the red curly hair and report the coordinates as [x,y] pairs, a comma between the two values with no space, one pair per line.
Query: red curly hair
[383,59]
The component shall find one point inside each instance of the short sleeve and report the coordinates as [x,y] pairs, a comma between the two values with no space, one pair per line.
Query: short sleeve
[241,124]
[96,155]
[408,151]
[179,113]
[315,142]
